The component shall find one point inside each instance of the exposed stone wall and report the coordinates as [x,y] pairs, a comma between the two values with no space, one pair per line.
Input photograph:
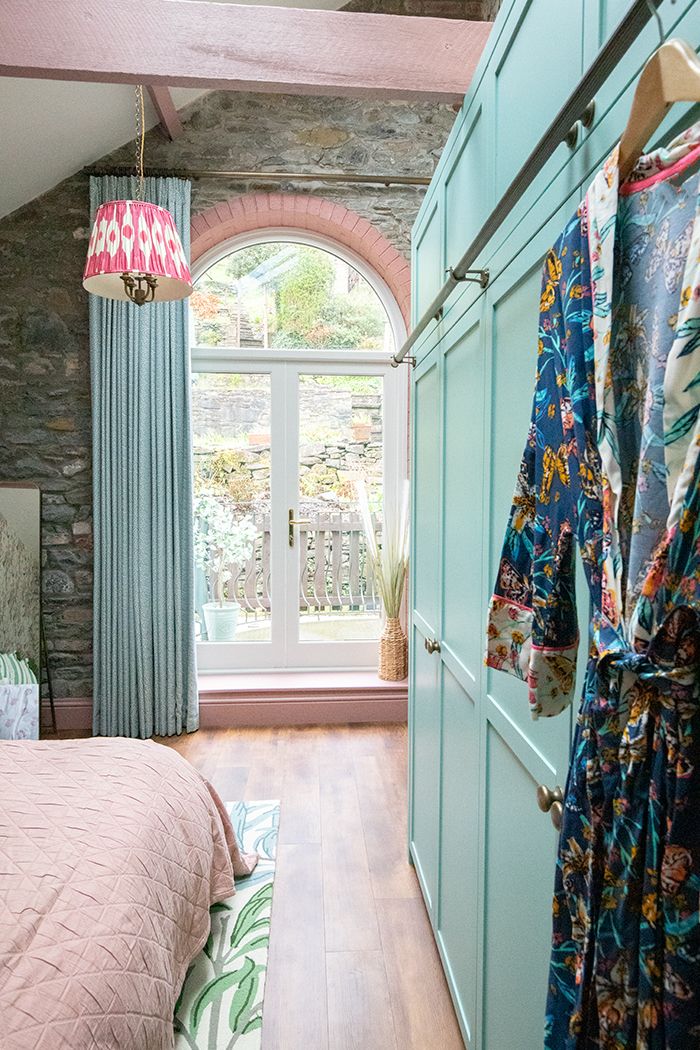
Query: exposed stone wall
[45,418]
[473,10]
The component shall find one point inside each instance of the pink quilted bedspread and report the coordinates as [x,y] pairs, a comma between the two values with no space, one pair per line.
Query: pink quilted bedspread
[111,852]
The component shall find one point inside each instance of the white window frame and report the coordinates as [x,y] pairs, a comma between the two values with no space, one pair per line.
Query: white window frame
[247,657]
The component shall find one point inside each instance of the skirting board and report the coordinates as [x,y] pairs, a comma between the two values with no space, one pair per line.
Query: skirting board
[227,712]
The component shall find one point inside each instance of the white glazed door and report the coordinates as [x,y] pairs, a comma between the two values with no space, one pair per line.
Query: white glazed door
[317,424]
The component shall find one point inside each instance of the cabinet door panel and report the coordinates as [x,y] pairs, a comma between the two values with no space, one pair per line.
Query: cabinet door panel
[425,766]
[514,362]
[519,840]
[429,270]
[540,66]
[463,606]
[609,13]
[614,99]
[425,595]
[459,858]
[426,495]
[520,845]
[467,192]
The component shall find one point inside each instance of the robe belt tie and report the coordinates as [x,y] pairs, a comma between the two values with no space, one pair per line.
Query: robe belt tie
[642,665]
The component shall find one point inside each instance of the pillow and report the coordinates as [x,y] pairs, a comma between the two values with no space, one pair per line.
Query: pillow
[15,670]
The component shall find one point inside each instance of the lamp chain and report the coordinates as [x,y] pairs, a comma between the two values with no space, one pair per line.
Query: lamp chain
[140,138]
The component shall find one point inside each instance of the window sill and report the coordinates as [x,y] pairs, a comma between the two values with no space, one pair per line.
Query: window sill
[299,697]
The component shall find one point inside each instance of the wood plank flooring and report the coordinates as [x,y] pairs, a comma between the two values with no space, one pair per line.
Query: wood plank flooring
[353,963]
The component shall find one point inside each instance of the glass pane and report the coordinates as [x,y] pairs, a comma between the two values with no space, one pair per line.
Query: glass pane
[231,428]
[288,296]
[340,443]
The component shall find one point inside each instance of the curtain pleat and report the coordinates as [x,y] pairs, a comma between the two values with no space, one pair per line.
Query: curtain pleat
[145,672]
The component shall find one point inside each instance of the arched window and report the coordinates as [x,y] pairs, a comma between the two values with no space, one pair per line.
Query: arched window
[296,414]
[289,295]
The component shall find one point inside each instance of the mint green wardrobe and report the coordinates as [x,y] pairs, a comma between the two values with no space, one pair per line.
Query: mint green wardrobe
[483,850]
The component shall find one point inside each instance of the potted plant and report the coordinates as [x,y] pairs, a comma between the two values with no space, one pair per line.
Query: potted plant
[390,563]
[222,546]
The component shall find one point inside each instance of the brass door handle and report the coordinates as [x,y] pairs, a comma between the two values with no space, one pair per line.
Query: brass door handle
[295,521]
[432,645]
[550,800]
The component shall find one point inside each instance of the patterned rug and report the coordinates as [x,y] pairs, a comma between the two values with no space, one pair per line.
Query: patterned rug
[220,1006]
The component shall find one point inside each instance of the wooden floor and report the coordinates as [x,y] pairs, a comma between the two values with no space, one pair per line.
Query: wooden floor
[353,964]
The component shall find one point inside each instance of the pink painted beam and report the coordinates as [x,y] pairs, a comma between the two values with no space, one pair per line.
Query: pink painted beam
[165,108]
[191,43]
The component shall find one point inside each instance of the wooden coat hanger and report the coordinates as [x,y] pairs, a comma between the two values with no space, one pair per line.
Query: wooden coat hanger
[672,74]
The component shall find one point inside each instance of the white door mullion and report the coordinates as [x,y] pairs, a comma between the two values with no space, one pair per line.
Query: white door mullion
[291,452]
[278,512]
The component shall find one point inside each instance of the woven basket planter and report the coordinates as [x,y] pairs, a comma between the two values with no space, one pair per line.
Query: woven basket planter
[393,652]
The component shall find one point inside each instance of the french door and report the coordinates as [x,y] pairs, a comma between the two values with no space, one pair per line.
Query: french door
[283,439]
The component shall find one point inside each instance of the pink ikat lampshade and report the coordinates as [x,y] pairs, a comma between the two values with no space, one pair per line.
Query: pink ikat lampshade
[135,253]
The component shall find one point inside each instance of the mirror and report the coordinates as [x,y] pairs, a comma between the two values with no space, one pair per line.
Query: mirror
[20,611]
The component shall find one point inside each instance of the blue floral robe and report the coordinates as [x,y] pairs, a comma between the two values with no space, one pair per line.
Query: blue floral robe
[611,465]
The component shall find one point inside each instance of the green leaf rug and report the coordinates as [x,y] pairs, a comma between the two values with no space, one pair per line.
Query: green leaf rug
[220,1006]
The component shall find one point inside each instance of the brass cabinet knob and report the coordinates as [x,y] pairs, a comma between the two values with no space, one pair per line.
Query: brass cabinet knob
[556,812]
[432,645]
[546,797]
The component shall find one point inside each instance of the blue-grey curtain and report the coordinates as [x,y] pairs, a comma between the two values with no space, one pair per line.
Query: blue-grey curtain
[145,673]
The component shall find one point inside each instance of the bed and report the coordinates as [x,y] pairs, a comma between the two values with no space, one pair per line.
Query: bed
[111,853]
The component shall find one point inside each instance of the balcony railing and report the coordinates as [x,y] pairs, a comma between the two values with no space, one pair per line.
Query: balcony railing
[335,571]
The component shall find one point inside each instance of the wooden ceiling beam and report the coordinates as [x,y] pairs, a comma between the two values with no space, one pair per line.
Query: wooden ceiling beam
[193,43]
[165,109]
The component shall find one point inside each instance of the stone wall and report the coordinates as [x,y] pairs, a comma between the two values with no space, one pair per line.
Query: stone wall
[45,418]
[473,10]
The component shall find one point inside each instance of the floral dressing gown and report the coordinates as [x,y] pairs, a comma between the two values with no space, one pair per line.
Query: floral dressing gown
[611,466]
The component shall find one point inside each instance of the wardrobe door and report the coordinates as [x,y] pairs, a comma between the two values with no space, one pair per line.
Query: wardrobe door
[518,840]
[424,694]
[458,917]
[462,645]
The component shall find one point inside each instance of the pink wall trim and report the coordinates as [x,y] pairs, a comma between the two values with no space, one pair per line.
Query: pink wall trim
[281,710]
[259,211]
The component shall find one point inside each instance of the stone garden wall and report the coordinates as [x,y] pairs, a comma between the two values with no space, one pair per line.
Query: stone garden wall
[474,10]
[349,442]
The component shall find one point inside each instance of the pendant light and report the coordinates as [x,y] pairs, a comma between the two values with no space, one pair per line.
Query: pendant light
[135,251]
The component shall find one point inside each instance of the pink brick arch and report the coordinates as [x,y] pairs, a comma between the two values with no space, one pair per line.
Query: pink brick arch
[259,211]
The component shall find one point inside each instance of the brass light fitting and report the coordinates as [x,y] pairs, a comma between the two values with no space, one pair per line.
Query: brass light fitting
[134,287]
